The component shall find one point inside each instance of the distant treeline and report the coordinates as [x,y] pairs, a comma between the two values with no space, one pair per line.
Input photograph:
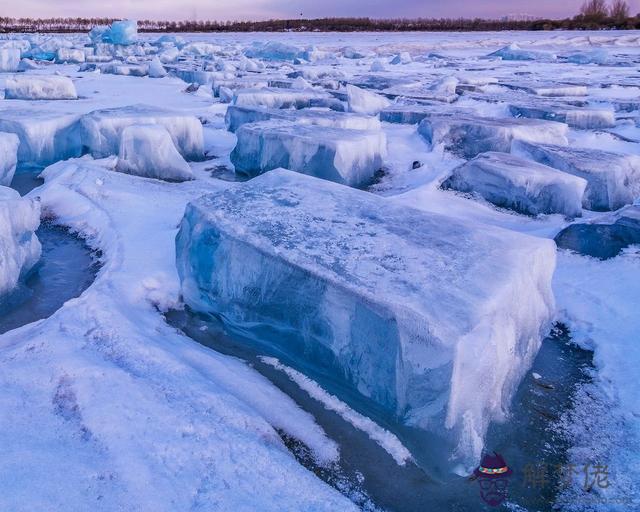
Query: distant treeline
[584,21]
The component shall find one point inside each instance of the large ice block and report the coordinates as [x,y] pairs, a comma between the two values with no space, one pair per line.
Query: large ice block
[603,237]
[236,116]
[273,51]
[19,246]
[468,136]
[413,114]
[521,185]
[514,52]
[8,157]
[101,130]
[39,87]
[613,179]
[274,97]
[46,136]
[362,101]
[124,32]
[147,150]
[350,157]
[433,319]
[576,117]
[9,60]
[70,55]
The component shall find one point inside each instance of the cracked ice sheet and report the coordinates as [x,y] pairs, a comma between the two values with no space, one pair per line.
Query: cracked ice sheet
[106,407]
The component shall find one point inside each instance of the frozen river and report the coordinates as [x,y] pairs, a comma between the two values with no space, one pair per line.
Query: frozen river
[311,271]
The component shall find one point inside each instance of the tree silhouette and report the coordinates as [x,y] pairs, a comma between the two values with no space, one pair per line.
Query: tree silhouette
[619,10]
[595,10]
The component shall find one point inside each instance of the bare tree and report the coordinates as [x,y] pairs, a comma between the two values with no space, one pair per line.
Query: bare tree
[619,10]
[594,9]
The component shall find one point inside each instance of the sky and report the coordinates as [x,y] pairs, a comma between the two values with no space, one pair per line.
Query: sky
[265,9]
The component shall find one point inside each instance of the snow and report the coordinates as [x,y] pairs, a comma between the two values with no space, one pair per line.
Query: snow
[522,185]
[101,130]
[468,136]
[362,101]
[19,246]
[350,157]
[598,300]
[8,157]
[31,87]
[147,150]
[384,438]
[421,349]
[613,178]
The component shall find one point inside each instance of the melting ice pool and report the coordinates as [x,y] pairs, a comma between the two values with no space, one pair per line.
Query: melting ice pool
[530,441]
[66,268]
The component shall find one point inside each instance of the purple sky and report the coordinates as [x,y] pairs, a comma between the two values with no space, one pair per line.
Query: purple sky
[264,9]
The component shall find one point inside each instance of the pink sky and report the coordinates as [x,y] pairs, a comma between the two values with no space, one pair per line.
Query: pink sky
[264,9]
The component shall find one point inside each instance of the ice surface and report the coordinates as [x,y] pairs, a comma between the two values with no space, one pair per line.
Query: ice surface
[123,32]
[362,101]
[514,52]
[350,157]
[413,114]
[401,58]
[603,237]
[45,135]
[101,130]
[273,51]
[597,56]
[468,136]
[147,150]
[384,438]
[284,98]
[114,68]
[8,157]
[19,246]
[156,69]
[236,116]
[70,55]
[37,87]
[522,185]
[235,83]
[559,90]
[97,33]
[9,59]
[154,393]
[443,347]
[576,117]
[613,178]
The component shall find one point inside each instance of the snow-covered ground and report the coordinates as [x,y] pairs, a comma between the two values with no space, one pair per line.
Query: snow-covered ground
[427,302]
